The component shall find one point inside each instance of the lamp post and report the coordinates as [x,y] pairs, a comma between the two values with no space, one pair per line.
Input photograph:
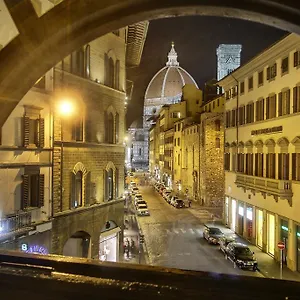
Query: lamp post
[65,108]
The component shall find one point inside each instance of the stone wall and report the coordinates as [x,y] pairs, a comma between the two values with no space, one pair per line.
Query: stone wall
[90,220]
[211,160]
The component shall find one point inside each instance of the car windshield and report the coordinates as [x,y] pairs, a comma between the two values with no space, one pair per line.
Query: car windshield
[142,206]
[243,251]
[215,231]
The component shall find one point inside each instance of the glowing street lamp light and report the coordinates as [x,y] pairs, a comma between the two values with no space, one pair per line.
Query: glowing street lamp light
[65,108]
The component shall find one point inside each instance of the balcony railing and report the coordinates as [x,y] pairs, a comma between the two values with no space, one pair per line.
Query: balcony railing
[15,222]
[279,189]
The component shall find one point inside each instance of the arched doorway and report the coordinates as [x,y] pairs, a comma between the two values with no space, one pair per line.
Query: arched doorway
[109,242]
[78,245]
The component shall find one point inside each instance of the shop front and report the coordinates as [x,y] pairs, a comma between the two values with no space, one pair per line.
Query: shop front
[109,242]
[249,224]
[233,214]
[226,211]
[259,228]
[298,247]
[271,234]
[241,218]
[284,234]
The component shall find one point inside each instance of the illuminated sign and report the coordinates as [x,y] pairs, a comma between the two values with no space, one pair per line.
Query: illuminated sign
[36,249]
[284,228]
[267,130]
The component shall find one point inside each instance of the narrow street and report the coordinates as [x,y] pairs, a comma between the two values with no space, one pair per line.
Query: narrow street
[173,238]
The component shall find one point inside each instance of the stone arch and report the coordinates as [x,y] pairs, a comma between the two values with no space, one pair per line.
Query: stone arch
[87,21]
[233,145]
[111,109]
[283,142]
[296,141]
[270,143]
[78,244]
[259,144]
[80,167]
[110,165]
[249,144]
[111,54]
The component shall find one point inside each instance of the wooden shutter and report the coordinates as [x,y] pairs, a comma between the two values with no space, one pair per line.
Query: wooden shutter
[279,165]
[41,140]
[87,196]
[288,100]
[41,200]
[268,108]
[296,58]
[268,73]
[294,166]
[25,192]
[88,130]
[26,131]
[275,69]
[286,169]
[117,183]
[73,190]
[295,94]
[268,165]
[280,104]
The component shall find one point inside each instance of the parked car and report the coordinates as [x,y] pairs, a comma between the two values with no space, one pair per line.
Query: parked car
[161,190]
[168,199]
[140,202]
[241,256]
[142,210]
[224,241]
[134,191]
[212,234]
[171,198]
[166,193]
[178,203]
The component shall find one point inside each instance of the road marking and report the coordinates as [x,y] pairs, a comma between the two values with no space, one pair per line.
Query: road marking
[192,231]
[183,231]
[176,231]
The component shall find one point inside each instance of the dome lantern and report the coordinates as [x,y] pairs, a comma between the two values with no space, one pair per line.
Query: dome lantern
[172,58]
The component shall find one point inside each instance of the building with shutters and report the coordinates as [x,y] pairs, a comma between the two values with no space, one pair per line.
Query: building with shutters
[262,162]
[62,176]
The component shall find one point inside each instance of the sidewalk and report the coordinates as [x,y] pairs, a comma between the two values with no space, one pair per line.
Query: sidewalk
[268,267]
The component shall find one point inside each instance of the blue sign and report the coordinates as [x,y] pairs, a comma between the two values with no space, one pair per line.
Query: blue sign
[36,249]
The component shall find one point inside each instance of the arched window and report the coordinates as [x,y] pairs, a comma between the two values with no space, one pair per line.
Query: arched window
[217,125]
[110,128]
[106,69]
[109,181]
[111,73]
[117,75]
[87,61]
[77,195]
[117,121]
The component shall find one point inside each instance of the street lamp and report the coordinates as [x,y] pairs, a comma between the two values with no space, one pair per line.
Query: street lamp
[65,108]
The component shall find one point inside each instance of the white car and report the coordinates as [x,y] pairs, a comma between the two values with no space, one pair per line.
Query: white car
[135,191]
[142,210]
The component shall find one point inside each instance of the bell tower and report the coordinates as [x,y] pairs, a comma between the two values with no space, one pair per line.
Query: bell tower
[228,59]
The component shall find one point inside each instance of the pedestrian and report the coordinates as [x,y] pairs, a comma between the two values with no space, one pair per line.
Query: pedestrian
[190,202]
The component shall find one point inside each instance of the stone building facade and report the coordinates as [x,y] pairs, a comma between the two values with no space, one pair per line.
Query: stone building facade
[262,110]
[66,168]
[196,170]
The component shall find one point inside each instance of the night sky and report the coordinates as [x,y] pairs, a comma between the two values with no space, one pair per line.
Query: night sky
[196,40]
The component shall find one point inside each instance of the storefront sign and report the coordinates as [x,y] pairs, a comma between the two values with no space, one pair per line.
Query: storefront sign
[37,249]
[267,130]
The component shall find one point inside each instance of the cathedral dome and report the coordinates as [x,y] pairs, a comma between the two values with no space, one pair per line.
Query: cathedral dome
[169,81]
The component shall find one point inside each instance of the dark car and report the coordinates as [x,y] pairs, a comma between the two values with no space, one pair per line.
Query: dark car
[178,203]
[241,256]
[224,241]
[212,234]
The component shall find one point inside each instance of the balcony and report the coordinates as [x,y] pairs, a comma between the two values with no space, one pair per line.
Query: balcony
[279,189]
[15,222]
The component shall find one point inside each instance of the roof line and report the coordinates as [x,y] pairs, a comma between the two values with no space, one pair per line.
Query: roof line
[164,84]
[153,79]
